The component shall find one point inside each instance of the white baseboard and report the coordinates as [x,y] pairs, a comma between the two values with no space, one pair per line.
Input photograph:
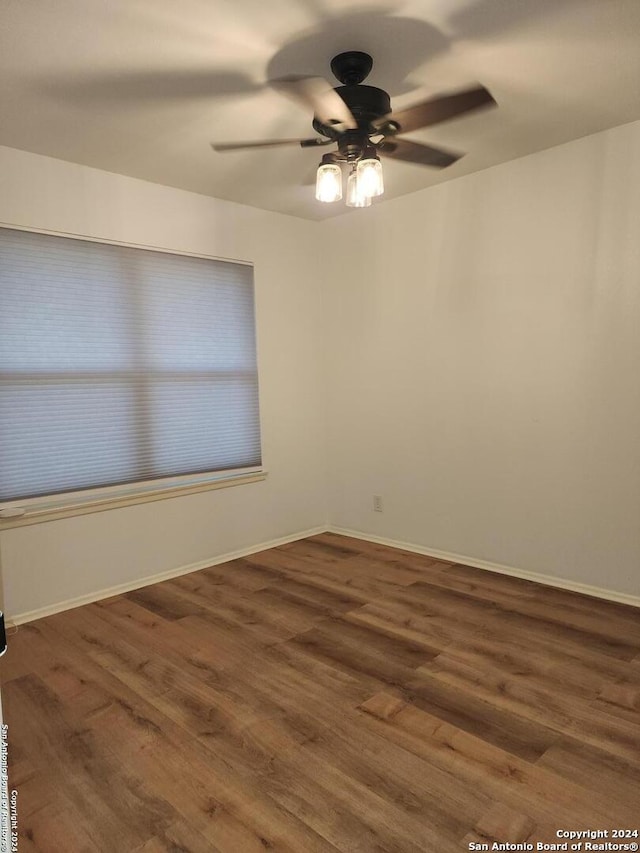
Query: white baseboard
[546,580]
[138,583]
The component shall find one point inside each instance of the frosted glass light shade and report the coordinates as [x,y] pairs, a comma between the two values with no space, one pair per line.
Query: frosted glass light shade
[370,177]
[329,182]
[355,196]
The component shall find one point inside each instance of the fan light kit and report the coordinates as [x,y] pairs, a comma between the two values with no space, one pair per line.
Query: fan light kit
[328,181]
[359,120]
[364,181]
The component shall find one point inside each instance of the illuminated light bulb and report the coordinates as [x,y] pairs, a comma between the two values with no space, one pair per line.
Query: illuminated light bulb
[355,196]
[329,182]
[370,175]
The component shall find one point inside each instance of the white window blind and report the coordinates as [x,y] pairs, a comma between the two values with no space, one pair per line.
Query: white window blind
[120,365]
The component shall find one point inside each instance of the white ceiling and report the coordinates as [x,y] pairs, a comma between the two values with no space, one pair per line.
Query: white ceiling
[141,87]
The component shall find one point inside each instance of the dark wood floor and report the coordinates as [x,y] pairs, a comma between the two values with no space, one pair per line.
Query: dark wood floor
[325,695]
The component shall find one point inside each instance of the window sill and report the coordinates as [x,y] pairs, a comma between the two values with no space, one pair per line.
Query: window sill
[37,513]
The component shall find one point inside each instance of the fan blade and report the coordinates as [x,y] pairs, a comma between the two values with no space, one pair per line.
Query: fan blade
[316,94]
[270,143]
[436,110]
[414,152]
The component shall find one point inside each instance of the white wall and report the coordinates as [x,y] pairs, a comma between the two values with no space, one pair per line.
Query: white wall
[48,563]
[484,355]
[482,347]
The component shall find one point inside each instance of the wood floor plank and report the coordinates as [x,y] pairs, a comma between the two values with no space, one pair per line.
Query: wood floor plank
[161,599]
[222,802]
[170,640]
[524,786]
[344,811]
[530,699]
[349,575]
[360,547]
[229,609]
[534,626]
[328,550]
[480,714]
[113,803]
[325,695]
[322,600]
[57,826]
[362,657]
[606,776]
[241,574]
[399,776]
[433,634]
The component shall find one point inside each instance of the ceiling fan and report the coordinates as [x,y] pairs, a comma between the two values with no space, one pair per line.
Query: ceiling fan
[359,119]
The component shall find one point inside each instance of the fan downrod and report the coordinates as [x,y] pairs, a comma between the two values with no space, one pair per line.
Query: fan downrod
[351,67]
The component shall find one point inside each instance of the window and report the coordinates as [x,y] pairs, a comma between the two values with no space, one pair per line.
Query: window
[121,365]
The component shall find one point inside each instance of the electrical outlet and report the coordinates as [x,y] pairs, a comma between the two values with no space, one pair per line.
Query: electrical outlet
[377,503]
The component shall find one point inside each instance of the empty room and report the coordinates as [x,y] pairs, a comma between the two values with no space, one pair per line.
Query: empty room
[319,426]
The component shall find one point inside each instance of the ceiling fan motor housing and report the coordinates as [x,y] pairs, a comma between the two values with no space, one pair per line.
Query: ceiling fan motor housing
[367,103]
